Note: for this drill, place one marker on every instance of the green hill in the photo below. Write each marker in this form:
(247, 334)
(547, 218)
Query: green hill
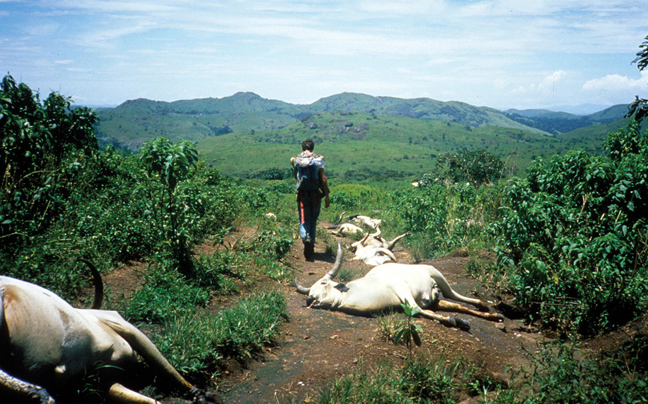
(132, 123)
(362, 136)
(358, 146)
(558, 123)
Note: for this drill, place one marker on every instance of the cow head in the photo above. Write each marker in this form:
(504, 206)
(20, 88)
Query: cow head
(325, 292)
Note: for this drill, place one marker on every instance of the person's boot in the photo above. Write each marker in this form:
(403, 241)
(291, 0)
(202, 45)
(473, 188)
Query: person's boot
(308, 249)
(311, 251)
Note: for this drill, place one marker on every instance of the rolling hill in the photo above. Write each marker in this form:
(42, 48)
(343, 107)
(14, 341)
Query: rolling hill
(561, 122)
(132, 123)
(362, 136)
(359, 146)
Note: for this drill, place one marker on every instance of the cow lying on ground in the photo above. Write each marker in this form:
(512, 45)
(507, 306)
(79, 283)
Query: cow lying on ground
(347, 229)
(386, 286)
(372, 249)
(376, 240)
(359, 220)
(46, 345)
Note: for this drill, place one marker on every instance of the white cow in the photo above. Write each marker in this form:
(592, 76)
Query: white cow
(373, 256)
(372, 249)
(386, 286)
(46, 345)
(366, 221)
(347, 229)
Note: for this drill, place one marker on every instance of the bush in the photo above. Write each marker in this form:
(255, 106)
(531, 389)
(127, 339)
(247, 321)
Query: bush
(418, 381)
(445, 217)
(560, 374)
(573, 236)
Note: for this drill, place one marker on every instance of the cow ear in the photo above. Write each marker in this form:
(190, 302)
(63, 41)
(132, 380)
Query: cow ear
(341, 287)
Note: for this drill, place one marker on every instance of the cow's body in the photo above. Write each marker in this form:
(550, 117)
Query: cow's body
(52, 342)
(46, 345)
(387, 286)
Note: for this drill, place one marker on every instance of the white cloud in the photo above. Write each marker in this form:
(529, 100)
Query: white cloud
(616, 82)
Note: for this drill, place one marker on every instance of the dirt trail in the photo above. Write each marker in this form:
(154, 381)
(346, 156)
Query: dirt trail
(318, 346)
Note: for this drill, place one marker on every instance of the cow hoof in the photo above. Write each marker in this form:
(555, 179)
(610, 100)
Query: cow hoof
(206, 397)
(39, 394)
(461, 324)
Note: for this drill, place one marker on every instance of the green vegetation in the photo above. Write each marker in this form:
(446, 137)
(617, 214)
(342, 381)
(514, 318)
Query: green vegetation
(418, 382)
(408, 135)
(408, 332)
(570, 234)
(574, 236)
(406, 147)
(68, 199)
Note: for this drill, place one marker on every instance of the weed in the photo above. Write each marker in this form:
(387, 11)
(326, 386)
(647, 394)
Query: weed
(407, 331)
(417, 382)
(194, 343)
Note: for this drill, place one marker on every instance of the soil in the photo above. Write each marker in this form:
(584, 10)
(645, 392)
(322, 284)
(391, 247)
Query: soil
(317, 347)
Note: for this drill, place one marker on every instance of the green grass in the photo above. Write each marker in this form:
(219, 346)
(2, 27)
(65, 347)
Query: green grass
(195, 343)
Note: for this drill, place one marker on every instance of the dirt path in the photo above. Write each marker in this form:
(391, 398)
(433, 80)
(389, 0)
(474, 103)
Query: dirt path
(319, 346)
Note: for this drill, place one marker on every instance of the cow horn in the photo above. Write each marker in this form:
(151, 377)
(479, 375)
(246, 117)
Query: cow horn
(338, 262)
(98, 284)
(301, 289)
(387, 252)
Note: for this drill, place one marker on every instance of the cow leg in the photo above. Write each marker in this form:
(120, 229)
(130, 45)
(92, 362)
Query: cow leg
(143, 346)
(456, 307)
(12, 385)
(122, 395)
(447, 321)
(450, 293)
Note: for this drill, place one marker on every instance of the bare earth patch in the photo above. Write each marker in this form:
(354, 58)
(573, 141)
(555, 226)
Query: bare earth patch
(319, 346)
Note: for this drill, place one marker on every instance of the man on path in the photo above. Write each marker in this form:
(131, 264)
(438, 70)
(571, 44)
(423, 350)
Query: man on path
(312, 186)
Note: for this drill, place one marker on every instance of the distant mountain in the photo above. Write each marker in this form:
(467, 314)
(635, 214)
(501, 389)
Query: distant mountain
(557, 123)
(136, 121)
(582, 109)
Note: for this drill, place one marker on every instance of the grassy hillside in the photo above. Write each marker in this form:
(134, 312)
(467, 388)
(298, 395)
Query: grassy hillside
(361, 135)
(360, 145)
(134, 122)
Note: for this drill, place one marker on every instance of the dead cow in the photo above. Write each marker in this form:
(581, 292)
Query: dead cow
(347, 229)
(372, 249)
(47, 345)
(387, 286)
(366, 221)
(376, 240)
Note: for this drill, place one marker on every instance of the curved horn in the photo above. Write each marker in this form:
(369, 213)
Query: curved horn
(387, 252)
(301, 289)
(338, 262)
(98, 284)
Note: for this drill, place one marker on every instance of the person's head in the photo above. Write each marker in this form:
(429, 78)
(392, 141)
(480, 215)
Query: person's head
(308, 144)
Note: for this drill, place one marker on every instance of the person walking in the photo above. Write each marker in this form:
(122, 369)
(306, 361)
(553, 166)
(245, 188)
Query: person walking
(312, 186)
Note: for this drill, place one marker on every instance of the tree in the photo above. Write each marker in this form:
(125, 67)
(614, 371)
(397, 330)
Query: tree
(169, 164)
(477, 167)
(42, 147)
(639, 108)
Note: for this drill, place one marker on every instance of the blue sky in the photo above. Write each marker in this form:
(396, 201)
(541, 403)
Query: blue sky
(497, 53)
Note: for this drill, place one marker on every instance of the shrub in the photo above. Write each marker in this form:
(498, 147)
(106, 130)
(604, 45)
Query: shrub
(573, 236)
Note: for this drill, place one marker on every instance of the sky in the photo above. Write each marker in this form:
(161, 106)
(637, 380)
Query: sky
(496, 53)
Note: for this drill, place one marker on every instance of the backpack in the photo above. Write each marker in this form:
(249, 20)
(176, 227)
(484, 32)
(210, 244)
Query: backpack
(307, 175)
